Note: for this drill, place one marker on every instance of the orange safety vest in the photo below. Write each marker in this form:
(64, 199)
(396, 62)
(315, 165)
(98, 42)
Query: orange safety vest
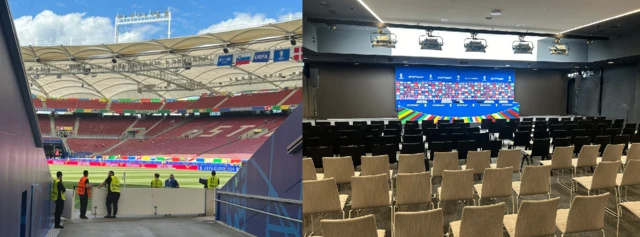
(81, 187)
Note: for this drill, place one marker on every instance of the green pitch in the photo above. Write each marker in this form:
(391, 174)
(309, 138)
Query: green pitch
(136, 177)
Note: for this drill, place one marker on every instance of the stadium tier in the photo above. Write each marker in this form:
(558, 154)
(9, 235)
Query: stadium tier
(45, 124)
(207, 102)
(234, 136)
(181, 104)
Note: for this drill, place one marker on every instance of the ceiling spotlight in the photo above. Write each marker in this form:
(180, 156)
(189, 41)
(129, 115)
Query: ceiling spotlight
(430, 42)
(225, 50)
(331, 26)
(611, 62)
(292, 40)
(496, 12)
(114, 60)
(474, 44)
(381, 39)
(557, 48)
(589, 41)
(521, 46)
(58, 76)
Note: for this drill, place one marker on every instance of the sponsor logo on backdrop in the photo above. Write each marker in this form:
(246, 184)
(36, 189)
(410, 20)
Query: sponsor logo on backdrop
(281, 55)
(225, 60)
(261, 57)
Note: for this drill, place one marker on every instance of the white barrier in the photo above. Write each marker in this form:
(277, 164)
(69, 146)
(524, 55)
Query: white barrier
(69, 196)
(141, 201)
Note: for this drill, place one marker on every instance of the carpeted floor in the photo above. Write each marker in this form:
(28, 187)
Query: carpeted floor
(629, 225)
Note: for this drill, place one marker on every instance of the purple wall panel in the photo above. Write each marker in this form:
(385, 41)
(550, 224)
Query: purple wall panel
(271, 172)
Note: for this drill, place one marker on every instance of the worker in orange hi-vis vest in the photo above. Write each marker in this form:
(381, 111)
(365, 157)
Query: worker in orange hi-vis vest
(84, 190)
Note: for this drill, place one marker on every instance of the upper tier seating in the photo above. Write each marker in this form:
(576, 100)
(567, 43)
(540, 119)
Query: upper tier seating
(37, 103)
(61, 103)
(90, 145)
(295, 99)
(45, 124)
(207, 102)
(175, 105)
(65, 121)
(107, 125)
(124, 105)
(149, 105)
(91, 104)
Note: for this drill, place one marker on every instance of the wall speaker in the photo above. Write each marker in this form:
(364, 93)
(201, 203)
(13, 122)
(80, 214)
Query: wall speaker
(314, 80)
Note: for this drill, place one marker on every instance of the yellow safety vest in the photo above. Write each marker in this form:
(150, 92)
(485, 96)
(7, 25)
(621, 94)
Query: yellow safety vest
(115, 184)
(213, 182)
(156, 183)
(54, 192)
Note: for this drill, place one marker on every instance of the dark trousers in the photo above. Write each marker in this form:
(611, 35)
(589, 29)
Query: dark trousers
(84, 199)
(112, 198)
(58, 213)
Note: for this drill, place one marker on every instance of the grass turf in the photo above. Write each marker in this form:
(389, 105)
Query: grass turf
(136, 177)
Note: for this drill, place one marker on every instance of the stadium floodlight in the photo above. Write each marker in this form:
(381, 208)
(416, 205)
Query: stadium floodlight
(521, 46)
(430, 42)
(474, 44)
(143, 18)
(381, 39)
(557, 48)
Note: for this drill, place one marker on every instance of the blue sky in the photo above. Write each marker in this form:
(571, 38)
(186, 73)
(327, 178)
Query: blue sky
(55, 22)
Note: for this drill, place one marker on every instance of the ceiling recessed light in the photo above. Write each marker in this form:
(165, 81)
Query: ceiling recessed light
(356, 64)
(507, 65)
(610, 62)
(535, 69)
(444, 20)
(406, 65)
(496, 12)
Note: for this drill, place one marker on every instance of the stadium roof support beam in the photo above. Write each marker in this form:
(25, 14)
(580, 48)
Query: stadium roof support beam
(79, 78)
(37, 84)
(450, 29)
(141, 74)
(259, 77)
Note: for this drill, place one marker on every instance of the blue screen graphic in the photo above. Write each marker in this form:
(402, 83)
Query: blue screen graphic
(454, 92)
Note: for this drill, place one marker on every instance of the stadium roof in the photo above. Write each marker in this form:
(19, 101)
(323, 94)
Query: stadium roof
(56, 71)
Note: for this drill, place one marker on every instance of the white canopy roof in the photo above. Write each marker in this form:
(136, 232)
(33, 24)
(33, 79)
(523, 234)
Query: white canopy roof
(118, 84)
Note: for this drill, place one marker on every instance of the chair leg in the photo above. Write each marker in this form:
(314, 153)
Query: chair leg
(513, 206)
(350, 214)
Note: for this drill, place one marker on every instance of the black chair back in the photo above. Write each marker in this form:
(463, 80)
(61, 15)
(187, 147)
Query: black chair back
(379, 123)
(522, 138)
(612, 132)
(577, 133)
(369, 141)
(540, 147)
(412, 148)
(485, 123)
(464, 146)
(481, 139)
(342, 125)
(579, 142)
(471, 130)
(631, 125)
(395, 124)
(636, 138)
(560, 142)
(439, 147)
(524, 128)
(413, 131)
(540, 134)
(603, 141)
(506, 132)
(356, 152)
(360, 123)
(316, 154)
(412, 139)
(385, 149)
(621, 139)
(454, 138)
(495, 147)
(560, 134)
(411, 126)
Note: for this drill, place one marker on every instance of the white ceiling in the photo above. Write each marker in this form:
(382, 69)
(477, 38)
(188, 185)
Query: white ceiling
(546, 16)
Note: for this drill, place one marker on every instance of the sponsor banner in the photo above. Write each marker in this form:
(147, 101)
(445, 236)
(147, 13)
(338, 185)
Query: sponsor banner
(43, 109)
(225, 60)
(261, 57)
(224, 109)
(239, 109)
(258, 108)
(281, 55)
(243, 59)
(218, 167)
(297, 54)
(226, 167)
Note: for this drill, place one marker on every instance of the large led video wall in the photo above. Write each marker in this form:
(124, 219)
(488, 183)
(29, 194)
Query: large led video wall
(471, 94)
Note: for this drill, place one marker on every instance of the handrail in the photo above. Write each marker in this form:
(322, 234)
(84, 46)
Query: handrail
(256, 210)
(291, 201)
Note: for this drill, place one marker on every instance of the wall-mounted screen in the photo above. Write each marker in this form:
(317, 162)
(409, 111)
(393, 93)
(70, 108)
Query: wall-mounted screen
(471, 94)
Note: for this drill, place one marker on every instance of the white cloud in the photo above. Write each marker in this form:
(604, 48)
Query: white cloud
(48, 28)
(243, 20)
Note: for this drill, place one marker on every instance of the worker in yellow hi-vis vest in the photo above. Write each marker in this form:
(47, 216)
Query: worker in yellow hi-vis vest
(156, 182)
(113, 193)
(213, 181)
(57, 195)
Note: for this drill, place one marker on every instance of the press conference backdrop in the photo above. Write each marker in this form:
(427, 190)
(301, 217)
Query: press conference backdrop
(471, 94)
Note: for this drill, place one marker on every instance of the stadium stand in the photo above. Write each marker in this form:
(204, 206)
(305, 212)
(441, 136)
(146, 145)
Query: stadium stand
(37, 103)
(91, 104)
(149, 106)
(124, 105)
(294, 99)
(90, 145)
(180, 104)
(45, 124)
(65, 121)
(107, 125)
(62, 103)
(207, 102)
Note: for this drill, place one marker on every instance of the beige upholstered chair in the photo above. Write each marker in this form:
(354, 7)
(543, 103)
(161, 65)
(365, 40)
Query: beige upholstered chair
(321, 196)
(588, 157)
(535, 180)
(413, 189)
(356, 227)
(496, 184)
(371, 191)
(586, 214)
(339, 168)
(373, 165)
(485, 221)
(613, 152)
(478, 161)
(509, 158)
(411, 163)
(604, 177)
(422, 223)
(632, 154)
(444, 161)
(535, 218)
(309, 170)
(630, 177)
(633, 207)
(456, 185)
(561, 160)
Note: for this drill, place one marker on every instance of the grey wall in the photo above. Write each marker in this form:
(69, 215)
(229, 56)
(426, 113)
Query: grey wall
(349, 91)
(588, 96)
(347, 40)
(310, 36)
(22, 164)
(615, 47)
(541, 92)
